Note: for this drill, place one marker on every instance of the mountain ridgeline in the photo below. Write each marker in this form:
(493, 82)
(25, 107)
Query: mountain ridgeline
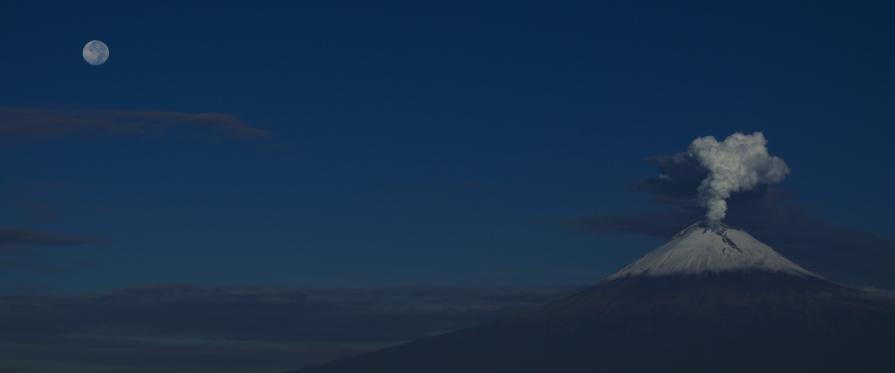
(713, 299)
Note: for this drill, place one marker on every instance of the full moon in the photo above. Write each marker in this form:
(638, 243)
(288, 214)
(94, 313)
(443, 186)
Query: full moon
(95, 52)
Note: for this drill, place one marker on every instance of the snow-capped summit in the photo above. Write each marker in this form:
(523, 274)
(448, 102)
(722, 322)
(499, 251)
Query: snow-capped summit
(701, 249)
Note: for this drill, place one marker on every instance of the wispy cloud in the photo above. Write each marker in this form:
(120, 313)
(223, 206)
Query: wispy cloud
(14, 239)
(39, 123)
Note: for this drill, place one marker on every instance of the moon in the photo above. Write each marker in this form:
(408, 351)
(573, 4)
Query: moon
(95, 52)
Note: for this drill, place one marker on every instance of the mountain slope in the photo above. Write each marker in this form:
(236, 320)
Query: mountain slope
(700, 249)
(712, 299)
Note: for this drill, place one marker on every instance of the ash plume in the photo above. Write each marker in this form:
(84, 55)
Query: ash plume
(739, 163)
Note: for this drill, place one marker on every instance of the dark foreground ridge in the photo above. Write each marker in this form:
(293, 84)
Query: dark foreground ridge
(734, 322)
(709, 300)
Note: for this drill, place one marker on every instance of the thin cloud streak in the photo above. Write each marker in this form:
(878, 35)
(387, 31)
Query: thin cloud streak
(31, 123)
(12, 239)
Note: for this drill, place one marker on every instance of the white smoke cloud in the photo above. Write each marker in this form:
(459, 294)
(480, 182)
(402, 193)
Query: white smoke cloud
(739, 163)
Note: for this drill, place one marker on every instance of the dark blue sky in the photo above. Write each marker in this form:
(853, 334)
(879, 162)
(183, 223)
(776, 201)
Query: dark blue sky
(417, 143)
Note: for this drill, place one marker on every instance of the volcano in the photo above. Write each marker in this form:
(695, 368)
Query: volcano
(712, 299)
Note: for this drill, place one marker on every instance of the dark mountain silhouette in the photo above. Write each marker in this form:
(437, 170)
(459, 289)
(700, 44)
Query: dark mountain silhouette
(713, 299)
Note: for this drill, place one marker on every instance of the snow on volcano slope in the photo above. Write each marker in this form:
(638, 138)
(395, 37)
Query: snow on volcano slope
(700, 249)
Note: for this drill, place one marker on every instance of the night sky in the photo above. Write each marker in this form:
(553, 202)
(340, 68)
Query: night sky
(361, 144)
(258, 188)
